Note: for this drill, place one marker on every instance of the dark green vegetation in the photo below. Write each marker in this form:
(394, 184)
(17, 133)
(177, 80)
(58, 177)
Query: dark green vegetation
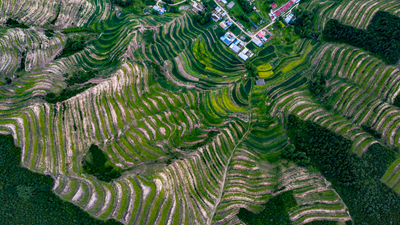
(148, 36)
(86, 30)
(99, 165)
(81, 76)
(11, 23)
(396, 101)
(370, 130)
(381, 37)
(303, 25)
(133, 6)
(26, 197)
(317, 87)
(275, 212)
(66, 93)
(246, 5)
(73, 46)
(357, 180)
(21, 67)
(71, 90)
(324, 222)
(290, 153)
(49, 33)
(205, 16)
(124, 3)
(380, 157)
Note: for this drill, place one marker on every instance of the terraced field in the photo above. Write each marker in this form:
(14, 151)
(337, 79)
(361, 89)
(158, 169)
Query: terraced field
(181, 115)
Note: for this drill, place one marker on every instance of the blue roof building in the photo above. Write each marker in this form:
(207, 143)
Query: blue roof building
(228, 38)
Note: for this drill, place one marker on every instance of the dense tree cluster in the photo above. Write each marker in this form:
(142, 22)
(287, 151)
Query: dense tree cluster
(94, 163)
(275, 212)
(124, 3)
(26, 197)
(356, 179)
(66, 93)
(49, 33)
(318, 85)
(205, 16)
(11, 23)
(174, 9)
(72, 46)
(380, 157)
(370, 130)
(81, 77)
(21, 67)
(303, 24)
(396, 101)
(148, 36)
(71, 90)
(251, 68)
(246, 5)
(381, 37)
(298, 157)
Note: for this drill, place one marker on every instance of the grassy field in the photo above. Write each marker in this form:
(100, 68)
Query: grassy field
(255, 18)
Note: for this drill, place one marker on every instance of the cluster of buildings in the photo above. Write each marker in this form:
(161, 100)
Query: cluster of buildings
(262, 37)
(217, 14)
(226, 23)
(230, 4)
(198, 7)
(275, 13)
(160, 10)
(236, 45)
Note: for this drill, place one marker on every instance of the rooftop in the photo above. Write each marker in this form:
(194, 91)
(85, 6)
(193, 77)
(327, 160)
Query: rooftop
(235, 48)
(231, 4)
(257, 41)
(260, 82)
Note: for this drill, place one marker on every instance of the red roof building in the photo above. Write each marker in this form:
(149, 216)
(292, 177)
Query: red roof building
(277, 13)
(287, 6)
(261, 34)
(274, 6)
(290, 3)
(281, 10)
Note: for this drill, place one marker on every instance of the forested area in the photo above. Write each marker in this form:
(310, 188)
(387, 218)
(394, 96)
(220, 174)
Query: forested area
(380, 158)
(381, 37)
(97, 164)
(357, 180)
(274, 213)
(26, 197)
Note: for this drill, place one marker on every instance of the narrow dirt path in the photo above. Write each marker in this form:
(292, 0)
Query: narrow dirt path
(221, 191)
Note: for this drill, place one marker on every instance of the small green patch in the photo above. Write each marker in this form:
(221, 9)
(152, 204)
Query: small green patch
(99, 165)
(11, 23)
(275, 212)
